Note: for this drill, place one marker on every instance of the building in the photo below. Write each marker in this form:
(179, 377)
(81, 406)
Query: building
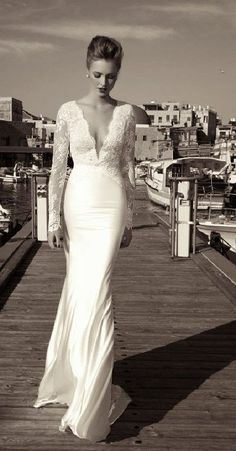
(44, 128)
(167, 114)
(15, 133)
(152, 143)
(18, 128)
(225, 132)
(206, 118)
(225, 144)
(163, 114)
(11, 109)
(190, 141)
(187, 116)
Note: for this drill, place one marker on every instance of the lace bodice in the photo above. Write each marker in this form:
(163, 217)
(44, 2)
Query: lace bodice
(116, 156)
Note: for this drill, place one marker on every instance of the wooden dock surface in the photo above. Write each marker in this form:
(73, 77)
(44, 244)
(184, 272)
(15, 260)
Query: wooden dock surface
(175, 351)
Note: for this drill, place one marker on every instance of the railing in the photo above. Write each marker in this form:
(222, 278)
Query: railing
(25, 149)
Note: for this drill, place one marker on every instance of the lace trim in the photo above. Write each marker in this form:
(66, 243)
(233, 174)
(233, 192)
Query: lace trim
(116, 156)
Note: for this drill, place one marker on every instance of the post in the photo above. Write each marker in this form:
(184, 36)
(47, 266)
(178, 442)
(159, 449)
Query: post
(177, 218)
(42, 206)
(184, 216)
(183, 219)
(33, 206)
(195, 215)
(173, 220)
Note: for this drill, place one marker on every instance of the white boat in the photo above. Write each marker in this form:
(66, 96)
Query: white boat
(232, 177)
(10, 178)
(18, 175)
(223, 225)
(210, 188)
(141, 172)
(7, 223)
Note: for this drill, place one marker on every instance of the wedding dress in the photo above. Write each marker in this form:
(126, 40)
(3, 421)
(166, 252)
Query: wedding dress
(97, 205)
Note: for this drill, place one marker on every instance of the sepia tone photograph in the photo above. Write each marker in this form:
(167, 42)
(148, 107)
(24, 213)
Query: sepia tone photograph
(117, 225)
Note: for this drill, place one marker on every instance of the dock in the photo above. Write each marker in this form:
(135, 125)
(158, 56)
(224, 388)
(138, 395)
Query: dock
(175, 348)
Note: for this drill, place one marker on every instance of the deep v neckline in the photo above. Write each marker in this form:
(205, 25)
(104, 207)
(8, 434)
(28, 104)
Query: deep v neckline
(109, 126)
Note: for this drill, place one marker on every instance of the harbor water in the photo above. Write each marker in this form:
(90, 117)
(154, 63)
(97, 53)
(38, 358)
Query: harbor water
(16, 197)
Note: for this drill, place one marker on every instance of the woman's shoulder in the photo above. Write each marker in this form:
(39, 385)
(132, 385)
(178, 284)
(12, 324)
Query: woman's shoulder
(126, 107)
(68, 106)
(141, 117)
(66, 109)
(63, 109)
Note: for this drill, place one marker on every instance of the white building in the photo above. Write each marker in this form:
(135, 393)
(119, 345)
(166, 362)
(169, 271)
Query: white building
(163, 114)
(151, 142)
(44, 128)
(168, 114)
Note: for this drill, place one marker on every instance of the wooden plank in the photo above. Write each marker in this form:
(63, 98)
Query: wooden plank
(175, 353)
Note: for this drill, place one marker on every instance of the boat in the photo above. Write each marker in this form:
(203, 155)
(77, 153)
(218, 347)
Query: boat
(7, 223)
(31, 171)
(141, 169)
(225, 225)
(211, 188)
(232, 177)
(17, 175)
(230, 193)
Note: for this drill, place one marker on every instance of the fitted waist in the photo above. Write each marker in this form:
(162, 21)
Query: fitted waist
(83, 169)
(86, 167)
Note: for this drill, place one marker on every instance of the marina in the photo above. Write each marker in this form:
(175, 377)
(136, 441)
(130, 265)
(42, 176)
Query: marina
(117, 226)
(175, 342)
(15, 208)
(211, 189)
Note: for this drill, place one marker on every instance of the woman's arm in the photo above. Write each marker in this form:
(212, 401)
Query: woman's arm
(58, 170)
(128, 166)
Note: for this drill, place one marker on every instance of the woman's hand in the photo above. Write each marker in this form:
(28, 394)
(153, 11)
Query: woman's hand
(54, 236)
(127, 237)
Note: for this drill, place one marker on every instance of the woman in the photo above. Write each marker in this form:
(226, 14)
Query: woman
(96, 221)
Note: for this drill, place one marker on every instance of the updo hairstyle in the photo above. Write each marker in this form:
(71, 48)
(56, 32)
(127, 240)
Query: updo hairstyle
(103, 47)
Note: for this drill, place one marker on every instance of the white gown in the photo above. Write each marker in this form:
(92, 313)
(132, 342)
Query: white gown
(97, 205)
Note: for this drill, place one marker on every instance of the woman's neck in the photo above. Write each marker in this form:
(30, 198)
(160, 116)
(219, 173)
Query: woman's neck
(94, 99)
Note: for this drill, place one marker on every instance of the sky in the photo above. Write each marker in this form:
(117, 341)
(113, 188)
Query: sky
(177, 50)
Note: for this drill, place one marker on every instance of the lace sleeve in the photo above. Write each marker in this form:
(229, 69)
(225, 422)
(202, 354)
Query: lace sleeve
(128, 167)
(58, 170)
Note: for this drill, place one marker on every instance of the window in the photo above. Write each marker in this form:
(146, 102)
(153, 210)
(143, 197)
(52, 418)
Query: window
(168, 118)
(151, 117)
(159, 170)
(160, 119)
(5, 106)
(144, 137)
(175, 117)
(150, 107)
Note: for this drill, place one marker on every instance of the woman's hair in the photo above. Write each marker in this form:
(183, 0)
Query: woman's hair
(103, 47)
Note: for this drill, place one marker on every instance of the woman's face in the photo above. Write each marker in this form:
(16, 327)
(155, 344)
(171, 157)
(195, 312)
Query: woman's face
(103, 75)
